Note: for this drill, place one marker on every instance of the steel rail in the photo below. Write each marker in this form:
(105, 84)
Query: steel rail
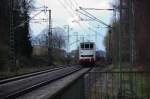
(29, 74)
(13, 92)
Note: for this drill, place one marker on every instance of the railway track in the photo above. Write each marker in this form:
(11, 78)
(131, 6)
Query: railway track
(8, 79)
(16, 86)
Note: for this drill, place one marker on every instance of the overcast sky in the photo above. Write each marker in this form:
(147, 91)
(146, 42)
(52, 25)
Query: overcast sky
(63, 13)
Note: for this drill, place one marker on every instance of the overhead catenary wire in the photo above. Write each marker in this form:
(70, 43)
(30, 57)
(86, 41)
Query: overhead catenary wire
(72, 10)
(99, 9)
(77, 21)
(73, 42)
(69, 5)
(65, 7)
(95, 32)
(27, 20)
(72, 6)
(84, 12)
(77, 14)
(83, 20)
(87, 25)
(76, 2)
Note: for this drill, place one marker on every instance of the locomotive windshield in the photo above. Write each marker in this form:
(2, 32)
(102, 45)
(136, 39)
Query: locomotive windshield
(91, 46)
(82, 46)
(87, 46)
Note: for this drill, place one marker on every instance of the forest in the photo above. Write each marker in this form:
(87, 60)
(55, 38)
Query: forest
(15, 16)
(141, 35)
(20, 11)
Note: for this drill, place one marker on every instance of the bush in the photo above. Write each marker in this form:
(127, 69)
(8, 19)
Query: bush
(3, 56)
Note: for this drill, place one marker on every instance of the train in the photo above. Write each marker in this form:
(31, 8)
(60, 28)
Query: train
(87, 53)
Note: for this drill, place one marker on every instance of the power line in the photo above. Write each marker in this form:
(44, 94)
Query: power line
(73, 3)
(77, 20)
(73, 42)
(98, 9)
(80, 35)
(95, 18)
(95, 31)
(76, 2)
(72, 6)
(21, 24)
(73, 11)
(84, 12)
(69, 12)
(67, 3)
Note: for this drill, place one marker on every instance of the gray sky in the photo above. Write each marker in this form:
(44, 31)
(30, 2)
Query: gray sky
(63, 13)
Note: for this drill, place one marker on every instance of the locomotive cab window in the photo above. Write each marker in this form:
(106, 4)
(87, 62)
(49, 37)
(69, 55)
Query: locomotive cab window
(82, 46)
(86, 46)
(91, 46)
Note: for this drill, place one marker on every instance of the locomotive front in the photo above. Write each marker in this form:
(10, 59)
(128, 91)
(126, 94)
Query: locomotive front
(87, 51)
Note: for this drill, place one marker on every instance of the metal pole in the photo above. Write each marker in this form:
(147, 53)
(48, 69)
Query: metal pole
(119, 51)
(12, 37)
(76, 39)
(50, 40)
(96, 37)
(115, 47)
(119, 37)
(131, 35)
(83, 38)
(68, 36)
(109, 45)
(131, 30)
(68, 30)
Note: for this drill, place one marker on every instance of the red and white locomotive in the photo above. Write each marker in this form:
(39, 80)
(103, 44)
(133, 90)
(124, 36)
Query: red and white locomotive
(87, 51)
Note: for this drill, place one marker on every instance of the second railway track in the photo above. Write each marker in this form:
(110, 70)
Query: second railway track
(17, 86)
